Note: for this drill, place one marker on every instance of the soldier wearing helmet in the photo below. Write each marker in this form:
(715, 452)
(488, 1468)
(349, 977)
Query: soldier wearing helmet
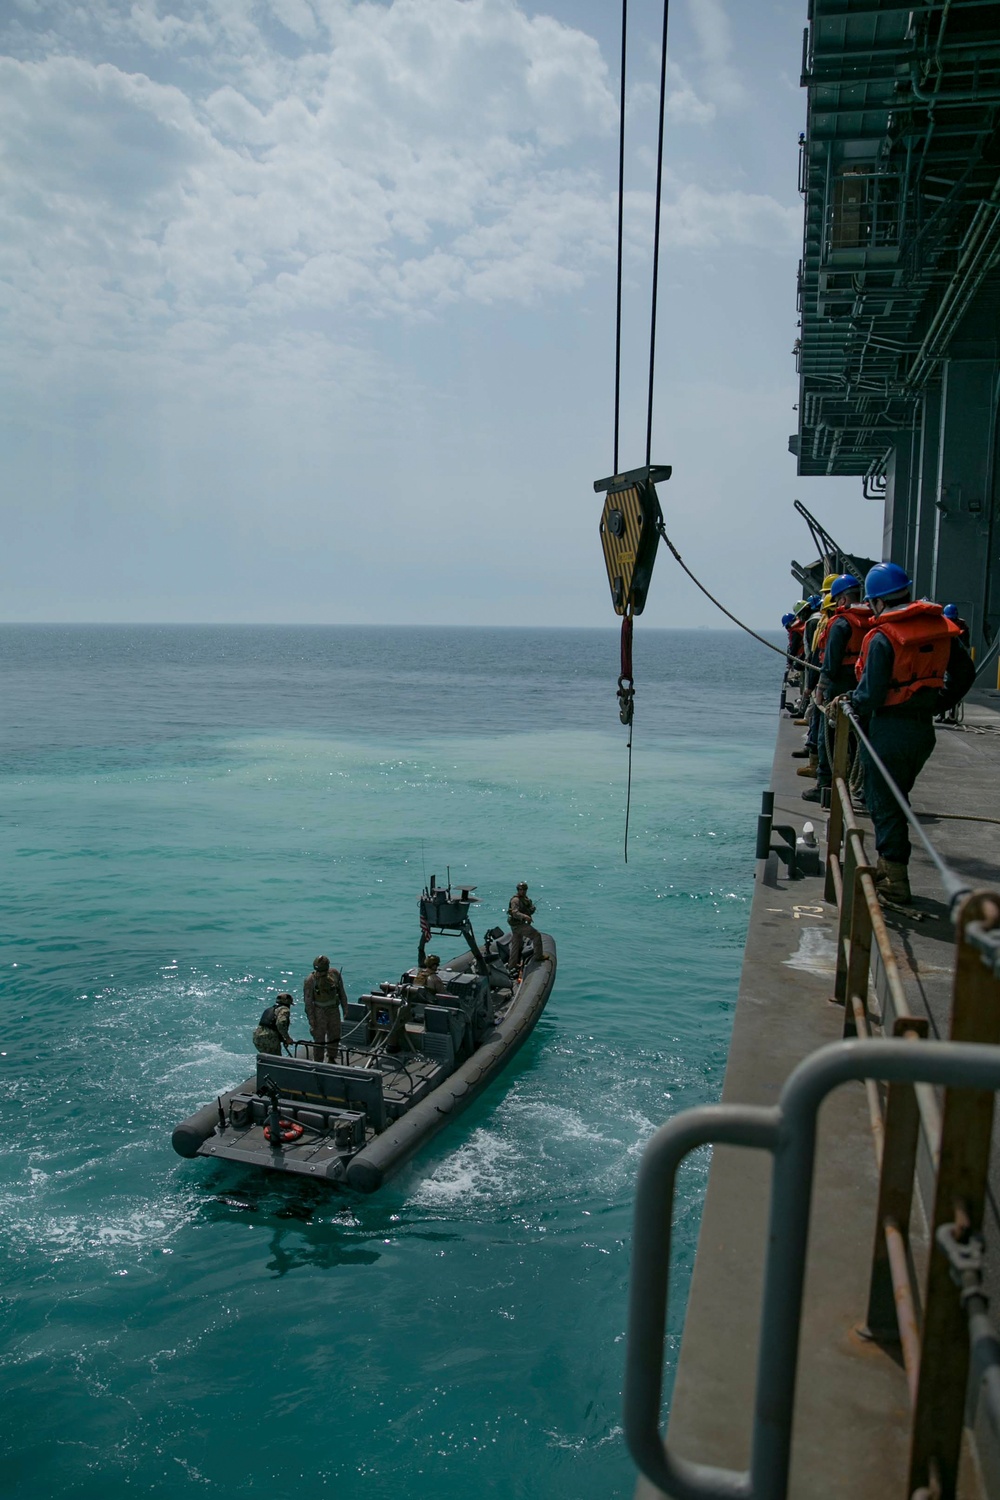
(325, 999)
(271, 1032)
(520, 911)
(427, 976)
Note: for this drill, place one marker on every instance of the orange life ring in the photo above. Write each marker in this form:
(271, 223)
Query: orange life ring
(290, 1130)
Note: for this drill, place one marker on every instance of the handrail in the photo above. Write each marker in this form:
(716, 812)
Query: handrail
(788, 1131)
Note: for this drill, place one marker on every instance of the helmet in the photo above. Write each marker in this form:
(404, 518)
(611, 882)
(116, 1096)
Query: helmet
(815, 600)
(843, 585)
(950, 612)
(827, 582)
(431, 961)
(802, 607)
(787, 620)
(522, 885)
(886, 578)
(285, 1000)
(321, 964)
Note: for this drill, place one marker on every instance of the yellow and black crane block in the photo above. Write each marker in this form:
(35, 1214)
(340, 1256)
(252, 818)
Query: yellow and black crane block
(630, 528)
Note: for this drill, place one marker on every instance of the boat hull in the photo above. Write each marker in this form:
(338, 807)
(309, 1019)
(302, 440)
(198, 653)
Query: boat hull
(383, 1156)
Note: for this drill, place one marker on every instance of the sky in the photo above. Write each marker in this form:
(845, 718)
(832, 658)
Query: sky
(307, 309)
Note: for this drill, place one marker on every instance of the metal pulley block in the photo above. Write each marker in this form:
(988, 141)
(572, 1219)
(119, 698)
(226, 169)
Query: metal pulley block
(629, 529)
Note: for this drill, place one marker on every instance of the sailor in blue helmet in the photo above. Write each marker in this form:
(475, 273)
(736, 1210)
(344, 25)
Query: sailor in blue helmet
(912, 665)
(951, 613)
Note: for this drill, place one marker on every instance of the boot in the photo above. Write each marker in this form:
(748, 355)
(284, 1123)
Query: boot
(892, 880)
(801, 754)
(814, 794)
(810, 768)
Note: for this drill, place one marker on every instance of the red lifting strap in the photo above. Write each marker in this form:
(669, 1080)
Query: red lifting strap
(626, 691)
(627, 647)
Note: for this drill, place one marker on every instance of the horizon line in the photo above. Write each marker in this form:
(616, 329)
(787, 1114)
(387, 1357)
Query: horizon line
(332, 625)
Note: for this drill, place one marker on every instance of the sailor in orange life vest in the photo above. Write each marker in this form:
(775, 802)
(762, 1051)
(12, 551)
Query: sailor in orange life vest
(911, 666)
(847, 627)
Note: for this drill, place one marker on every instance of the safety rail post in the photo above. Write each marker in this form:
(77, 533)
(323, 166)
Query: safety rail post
(966, 1131)
(891, 1316)
(854, 969)
(839, 794)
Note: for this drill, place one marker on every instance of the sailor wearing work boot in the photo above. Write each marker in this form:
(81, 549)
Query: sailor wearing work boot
(520, 911)
(272, 1028)
(912, 665)
(849, 623)
(325, 998)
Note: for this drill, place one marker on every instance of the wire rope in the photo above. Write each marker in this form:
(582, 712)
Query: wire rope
(621, 241)
(656, 230)
(798, 661)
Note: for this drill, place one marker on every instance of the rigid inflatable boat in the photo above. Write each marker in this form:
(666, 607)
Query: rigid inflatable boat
(410, 1059)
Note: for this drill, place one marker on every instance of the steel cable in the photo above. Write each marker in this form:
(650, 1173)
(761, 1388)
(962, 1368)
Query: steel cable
(656, 231)
(621, 228)
(797, 661)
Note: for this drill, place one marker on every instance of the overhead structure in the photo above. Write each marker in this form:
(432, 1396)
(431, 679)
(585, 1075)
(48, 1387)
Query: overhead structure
(899, 283)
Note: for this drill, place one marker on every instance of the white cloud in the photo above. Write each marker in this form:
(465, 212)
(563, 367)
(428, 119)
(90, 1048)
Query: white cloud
(416, 155)
(721, 81)
(704, 220)
(380, 160)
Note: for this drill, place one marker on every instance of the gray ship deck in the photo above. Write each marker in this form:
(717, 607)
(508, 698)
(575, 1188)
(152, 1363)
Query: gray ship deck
(852, 1411)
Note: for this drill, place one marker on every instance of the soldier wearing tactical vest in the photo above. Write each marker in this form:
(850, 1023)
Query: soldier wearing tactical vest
(428, 977)
(272, 1028)
(912, 665)
(520, 911)
(325, 999)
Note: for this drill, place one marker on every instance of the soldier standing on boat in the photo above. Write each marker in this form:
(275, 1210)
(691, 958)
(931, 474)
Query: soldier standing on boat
(272, 1028)
(325, 998)
(519, 914)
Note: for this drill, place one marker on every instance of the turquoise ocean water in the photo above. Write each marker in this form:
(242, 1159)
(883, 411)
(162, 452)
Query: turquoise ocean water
(190, 815)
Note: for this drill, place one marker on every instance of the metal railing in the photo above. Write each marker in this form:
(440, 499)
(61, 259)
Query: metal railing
(939, 1325)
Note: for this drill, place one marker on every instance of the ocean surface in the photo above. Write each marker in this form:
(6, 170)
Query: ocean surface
(189, 815)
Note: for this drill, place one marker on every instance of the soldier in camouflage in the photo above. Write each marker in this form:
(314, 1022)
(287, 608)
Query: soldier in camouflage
(272, 1028)
(519, 914)
(325, 999)
(428, 976)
